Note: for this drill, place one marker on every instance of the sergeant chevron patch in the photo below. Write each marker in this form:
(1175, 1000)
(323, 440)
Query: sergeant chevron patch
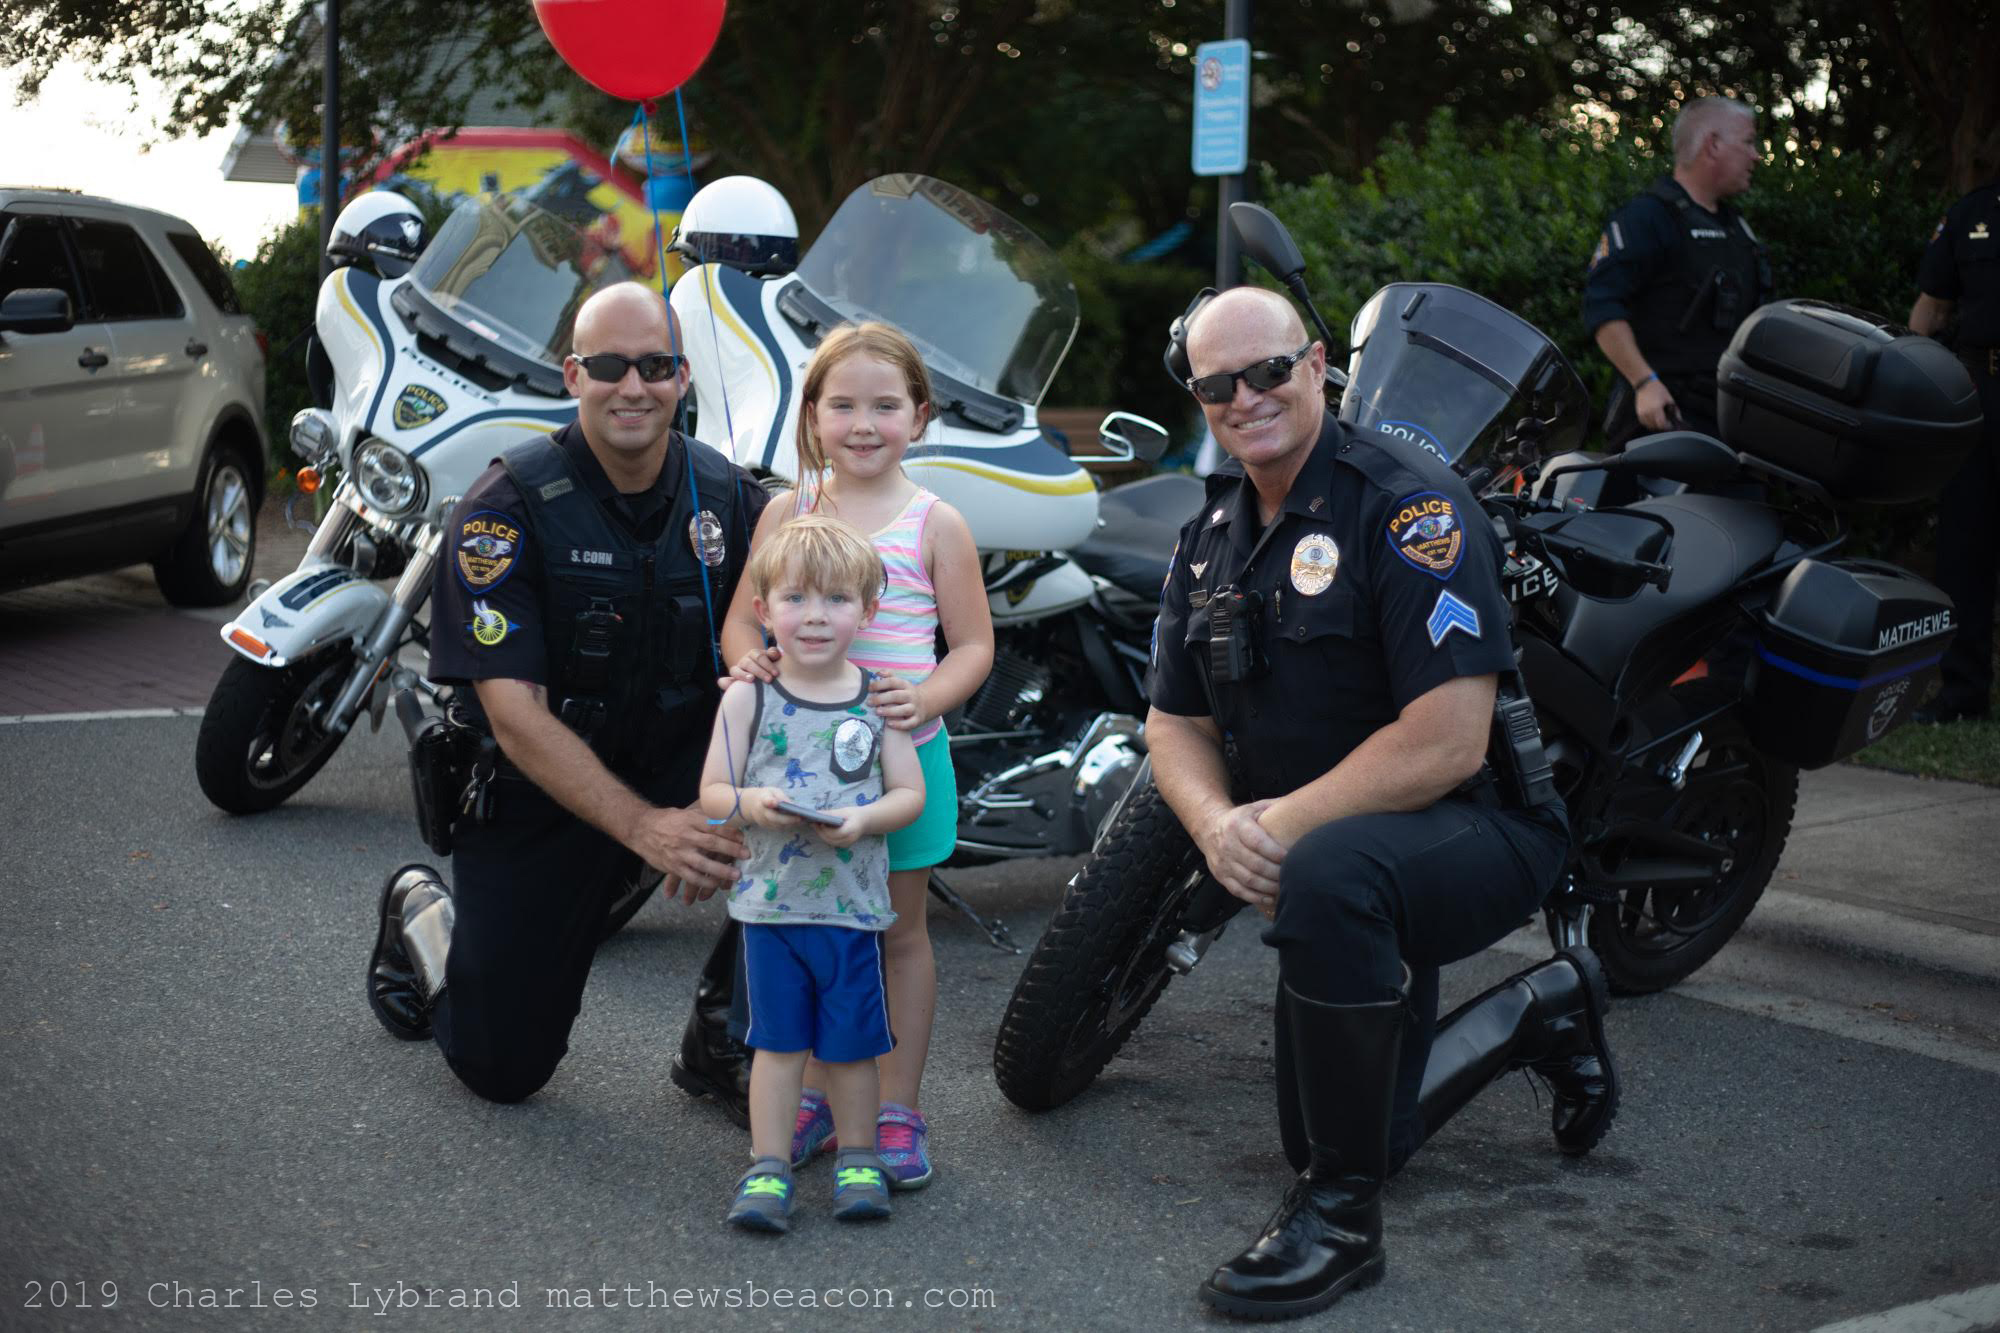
(1450, 614)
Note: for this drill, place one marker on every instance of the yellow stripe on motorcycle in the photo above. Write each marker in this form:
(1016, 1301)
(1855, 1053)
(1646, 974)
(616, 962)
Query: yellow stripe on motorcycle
(347, 300)
(709, 290)
(1076, 483)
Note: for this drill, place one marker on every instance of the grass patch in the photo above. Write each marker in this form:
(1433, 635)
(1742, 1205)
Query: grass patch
(1959, 751)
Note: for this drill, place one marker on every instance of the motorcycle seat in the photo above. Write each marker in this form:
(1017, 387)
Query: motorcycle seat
(1137, 526)
(1717, 540)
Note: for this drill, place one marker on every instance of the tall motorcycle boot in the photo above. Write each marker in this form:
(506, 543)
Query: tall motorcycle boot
(1549, 1019)
(711, 1063)
(412, 937)
(1326, 1237)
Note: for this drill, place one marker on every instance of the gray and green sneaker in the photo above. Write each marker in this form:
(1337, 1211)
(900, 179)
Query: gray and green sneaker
(764, 1197)
(860, 1186)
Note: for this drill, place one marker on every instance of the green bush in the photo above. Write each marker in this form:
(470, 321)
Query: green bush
(1114, 362)
(279, 289)
(1516, 221)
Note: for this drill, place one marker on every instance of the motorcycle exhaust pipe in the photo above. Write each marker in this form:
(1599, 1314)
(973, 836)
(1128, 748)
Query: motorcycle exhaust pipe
(411, 590)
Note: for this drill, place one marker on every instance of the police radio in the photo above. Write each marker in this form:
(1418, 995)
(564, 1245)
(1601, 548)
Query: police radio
(1521, 764)
(1234, 618)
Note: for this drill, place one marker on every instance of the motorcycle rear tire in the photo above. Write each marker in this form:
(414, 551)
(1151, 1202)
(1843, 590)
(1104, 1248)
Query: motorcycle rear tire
(1639, 955)
(258, 744)
(1101, 964)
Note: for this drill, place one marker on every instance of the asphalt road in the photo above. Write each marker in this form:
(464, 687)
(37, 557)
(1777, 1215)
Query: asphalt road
(195, 1101)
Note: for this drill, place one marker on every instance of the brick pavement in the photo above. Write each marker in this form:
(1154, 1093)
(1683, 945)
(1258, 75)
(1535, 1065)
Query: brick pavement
(111, 642)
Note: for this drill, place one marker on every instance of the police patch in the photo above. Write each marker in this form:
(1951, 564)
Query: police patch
(489, 627)
(705, 538)
(853, 749)
(417, 406)
(1451, 614)
(1424, 530)
(1315, 560)
(488, 545)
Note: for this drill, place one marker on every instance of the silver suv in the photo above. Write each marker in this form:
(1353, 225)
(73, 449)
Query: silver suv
(131, 400)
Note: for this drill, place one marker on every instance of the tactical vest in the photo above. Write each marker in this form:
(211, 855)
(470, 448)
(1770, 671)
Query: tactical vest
(1715, 276)
(626, 628)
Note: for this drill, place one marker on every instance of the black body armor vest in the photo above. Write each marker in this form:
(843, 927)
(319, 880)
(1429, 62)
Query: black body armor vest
(631, 665)
(1716, 277)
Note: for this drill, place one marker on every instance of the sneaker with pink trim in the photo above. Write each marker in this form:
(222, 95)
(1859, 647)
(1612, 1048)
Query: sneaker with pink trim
(812, 1132)
(902, 1141)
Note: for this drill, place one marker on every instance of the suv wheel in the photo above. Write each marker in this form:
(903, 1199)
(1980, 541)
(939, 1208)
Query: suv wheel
(209, 564)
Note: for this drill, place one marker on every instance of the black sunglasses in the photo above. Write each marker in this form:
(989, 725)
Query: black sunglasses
(1264, 376)
(610, 368)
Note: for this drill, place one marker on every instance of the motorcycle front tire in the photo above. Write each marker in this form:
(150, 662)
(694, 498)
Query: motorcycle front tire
(259, 742)
(1101, 964)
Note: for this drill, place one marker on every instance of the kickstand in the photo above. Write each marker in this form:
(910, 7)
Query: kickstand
(996, 934)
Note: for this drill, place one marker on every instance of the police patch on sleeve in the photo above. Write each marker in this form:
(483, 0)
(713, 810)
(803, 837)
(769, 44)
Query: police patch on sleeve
(705, 538)
(1424, 529)
(488, 545)
(1451, 614)
(1315, 560)
(490, 627)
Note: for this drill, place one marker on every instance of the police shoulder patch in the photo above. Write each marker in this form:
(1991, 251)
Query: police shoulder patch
(489, 544)
(1426, 531)
(490, 626)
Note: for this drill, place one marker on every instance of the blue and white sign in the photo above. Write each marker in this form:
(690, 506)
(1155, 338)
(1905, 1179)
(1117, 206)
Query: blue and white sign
(1222, 108)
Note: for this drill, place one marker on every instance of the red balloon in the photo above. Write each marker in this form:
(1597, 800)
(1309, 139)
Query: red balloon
(636, 50)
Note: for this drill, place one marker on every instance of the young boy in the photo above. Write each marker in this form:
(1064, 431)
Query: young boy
(814, 896)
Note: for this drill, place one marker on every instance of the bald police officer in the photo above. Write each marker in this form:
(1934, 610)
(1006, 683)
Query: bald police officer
(1330, 641)
(572, 601)
(1674, 273)
(1961, 274)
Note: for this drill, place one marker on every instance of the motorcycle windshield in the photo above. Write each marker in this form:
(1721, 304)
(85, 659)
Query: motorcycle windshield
(1453, 373)
(511, 274)
(984, 300)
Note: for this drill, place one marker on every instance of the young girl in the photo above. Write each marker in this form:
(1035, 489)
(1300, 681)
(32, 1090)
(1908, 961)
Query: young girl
(865, 400)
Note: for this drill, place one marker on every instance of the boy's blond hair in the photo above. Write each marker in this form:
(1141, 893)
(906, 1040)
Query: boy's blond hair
(820, 553)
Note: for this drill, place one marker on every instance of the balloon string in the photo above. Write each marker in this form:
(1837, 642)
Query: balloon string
(696, 538)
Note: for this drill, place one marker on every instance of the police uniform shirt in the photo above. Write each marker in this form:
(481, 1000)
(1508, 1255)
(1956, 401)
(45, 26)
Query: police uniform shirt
(1962, 264)
(1638, 271)
(490, 589)
(1378, 581)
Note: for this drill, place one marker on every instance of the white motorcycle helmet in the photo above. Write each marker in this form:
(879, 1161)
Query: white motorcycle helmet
(742, 222)
(383, 228)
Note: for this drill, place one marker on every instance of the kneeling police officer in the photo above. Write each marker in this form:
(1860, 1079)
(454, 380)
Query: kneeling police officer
(1331, 642)
(574, 602)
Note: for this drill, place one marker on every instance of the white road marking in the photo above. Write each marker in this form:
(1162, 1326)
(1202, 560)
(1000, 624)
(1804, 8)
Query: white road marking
(1960, 1312)
(112, 714)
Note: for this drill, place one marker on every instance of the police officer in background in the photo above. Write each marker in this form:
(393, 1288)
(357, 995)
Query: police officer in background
(1674, 273)
(1961, 273)
(572, 600)
(1331, 638)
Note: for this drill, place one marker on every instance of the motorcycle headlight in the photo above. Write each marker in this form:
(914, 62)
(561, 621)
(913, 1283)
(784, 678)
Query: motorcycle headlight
(312, 434)
(389, 479)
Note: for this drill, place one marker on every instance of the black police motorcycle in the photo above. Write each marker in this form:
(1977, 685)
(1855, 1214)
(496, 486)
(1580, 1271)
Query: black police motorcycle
(1685, 633)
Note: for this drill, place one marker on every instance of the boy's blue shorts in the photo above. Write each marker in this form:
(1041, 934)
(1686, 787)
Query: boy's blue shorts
(817, 988)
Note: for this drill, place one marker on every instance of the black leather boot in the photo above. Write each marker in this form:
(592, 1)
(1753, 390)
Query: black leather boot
(712, 1063)
(412, 935)
(1549, 1019)
(1326, 1237)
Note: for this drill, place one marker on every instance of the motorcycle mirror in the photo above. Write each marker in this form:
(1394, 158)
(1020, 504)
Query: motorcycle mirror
(1137, 436)
(1685, 456)
(1266, 241)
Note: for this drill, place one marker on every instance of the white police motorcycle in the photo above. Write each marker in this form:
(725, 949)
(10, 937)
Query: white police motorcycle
(430, 370)
(1049, 743)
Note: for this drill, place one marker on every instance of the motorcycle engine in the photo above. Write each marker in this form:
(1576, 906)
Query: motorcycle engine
(1009, 695)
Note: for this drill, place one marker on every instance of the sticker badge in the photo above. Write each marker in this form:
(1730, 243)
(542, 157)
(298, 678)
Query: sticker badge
(417, 406)
(705, 538)
(1424, 530)
(1886, 704)
(853, 749)
(1450, 614)
(1315, 560)
(489, 627)
(488, 545)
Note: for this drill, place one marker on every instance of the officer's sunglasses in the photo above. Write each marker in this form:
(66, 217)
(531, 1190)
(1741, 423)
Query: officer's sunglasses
(1263, 376)
(610, 368)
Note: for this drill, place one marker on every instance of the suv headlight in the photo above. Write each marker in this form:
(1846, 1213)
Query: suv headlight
(389, 479)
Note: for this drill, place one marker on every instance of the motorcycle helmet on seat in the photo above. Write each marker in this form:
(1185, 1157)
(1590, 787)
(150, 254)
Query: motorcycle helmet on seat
(741, 222)
(381, 227)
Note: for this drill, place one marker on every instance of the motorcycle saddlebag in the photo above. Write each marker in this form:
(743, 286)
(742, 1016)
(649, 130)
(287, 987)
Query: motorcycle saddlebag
(1869, 410)
(1844, 652)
